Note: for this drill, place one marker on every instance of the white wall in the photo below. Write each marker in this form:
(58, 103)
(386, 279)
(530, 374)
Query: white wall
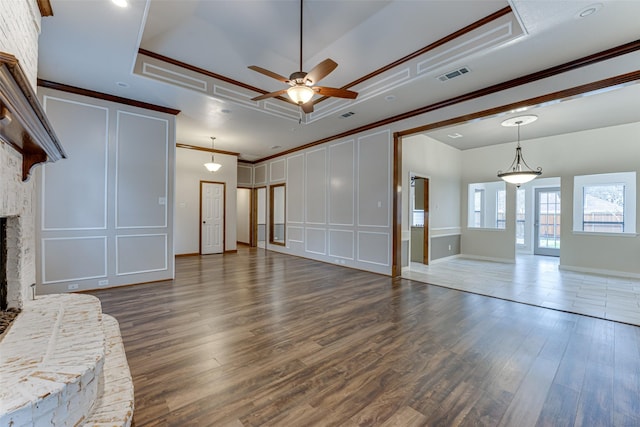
(612, 149)
(190, 171)
(243, 223)
(105, 213)
(338, 198)
(425, 157)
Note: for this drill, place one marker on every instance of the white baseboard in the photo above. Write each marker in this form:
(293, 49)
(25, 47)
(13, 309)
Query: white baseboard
(487, 258)
(600, 272)
(446, 258)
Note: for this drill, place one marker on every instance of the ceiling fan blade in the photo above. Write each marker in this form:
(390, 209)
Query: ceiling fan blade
(321, 70)
(269, 73)
(269, 95)
(338, 93)
(308, 107)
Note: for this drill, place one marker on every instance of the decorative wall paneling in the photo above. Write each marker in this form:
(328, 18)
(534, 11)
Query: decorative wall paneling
(142, 145)
(104, 217)
(316, 186)
(278, 171)
(245, 175)
(86, 139)
(338, 201)
(89, 258)
(141, 253)
(295, 189)
(260, 175)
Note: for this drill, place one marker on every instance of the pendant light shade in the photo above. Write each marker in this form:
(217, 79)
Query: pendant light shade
(519, 172)
(212, 166)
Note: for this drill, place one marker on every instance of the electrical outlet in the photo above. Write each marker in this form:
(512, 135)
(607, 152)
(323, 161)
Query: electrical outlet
(72, 286)
(449, 247)
(103, 282)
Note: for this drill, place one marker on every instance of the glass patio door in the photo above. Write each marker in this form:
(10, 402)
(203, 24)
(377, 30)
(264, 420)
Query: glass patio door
(547, 222)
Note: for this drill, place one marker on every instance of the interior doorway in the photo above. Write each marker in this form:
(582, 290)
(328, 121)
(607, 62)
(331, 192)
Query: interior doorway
(546, 228)
(243, 216)
(420, 220)
(212, 195)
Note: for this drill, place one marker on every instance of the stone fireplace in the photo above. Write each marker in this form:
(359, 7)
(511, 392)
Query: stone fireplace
(62, 361)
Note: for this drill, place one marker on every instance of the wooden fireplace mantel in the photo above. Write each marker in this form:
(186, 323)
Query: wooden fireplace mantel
(23, 122)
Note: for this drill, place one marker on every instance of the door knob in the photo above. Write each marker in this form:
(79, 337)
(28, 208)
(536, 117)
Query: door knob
(204, 222)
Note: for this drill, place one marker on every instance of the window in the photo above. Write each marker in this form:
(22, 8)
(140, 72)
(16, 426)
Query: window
(603, 208)
(501, 209)
(478, 208)
(520, 216)
(487, 206)
(605, 203)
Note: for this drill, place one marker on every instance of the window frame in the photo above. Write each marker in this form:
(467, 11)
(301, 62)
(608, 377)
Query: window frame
(627, 180)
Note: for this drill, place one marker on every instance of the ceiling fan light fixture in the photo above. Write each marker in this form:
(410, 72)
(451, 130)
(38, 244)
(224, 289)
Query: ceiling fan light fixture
(300, 94)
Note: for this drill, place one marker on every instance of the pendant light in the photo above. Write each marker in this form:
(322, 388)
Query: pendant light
(212, 166)
(519, 172)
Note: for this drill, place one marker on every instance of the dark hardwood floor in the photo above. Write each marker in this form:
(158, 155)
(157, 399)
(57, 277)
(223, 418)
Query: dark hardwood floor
(259, 338)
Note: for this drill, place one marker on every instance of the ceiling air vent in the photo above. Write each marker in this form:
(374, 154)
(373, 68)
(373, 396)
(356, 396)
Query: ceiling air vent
(345, 115)
(453, 74)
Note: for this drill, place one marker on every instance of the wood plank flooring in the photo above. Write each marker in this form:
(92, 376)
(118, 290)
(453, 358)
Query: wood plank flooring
(264, 339)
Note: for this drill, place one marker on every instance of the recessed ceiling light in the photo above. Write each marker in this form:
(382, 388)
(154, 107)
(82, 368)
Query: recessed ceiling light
(454, 135)
(348, 114)
(225, 111)
(121, 3)
(122, 84)
(589, 10)
(390, 98)
(275, 147)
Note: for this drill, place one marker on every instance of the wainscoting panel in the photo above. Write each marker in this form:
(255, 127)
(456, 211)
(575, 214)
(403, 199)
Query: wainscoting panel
(245, 175)
(116, 181)
(278, 170)
(141, 253)
(295, 189)
(341, 244)
(260, 175)
(373, 247)
(295, 234)
(316, 186)
(83, 175)
(141, 197)
(73, 258)
(445, 246)
(374, 180)
(315, 241)
(342, 183)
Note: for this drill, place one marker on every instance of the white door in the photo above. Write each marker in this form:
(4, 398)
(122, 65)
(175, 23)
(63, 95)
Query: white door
(547, 224)
(212, 217)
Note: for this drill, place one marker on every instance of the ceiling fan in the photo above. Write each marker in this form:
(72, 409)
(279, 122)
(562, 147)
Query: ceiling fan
(303, 85)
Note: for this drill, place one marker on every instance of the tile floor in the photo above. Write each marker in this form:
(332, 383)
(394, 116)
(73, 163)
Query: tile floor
(536, 280)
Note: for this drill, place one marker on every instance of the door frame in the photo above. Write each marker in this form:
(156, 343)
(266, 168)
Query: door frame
(536, 224)
(254, 216)
(224, 215)
(426, 255)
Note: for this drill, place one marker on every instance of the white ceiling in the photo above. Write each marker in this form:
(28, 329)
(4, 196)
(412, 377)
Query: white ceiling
(93, 44)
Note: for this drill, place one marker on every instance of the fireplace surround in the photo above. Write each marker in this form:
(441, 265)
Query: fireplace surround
(62, 361)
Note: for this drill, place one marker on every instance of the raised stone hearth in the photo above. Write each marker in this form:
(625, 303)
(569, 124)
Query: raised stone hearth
(62, 363)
